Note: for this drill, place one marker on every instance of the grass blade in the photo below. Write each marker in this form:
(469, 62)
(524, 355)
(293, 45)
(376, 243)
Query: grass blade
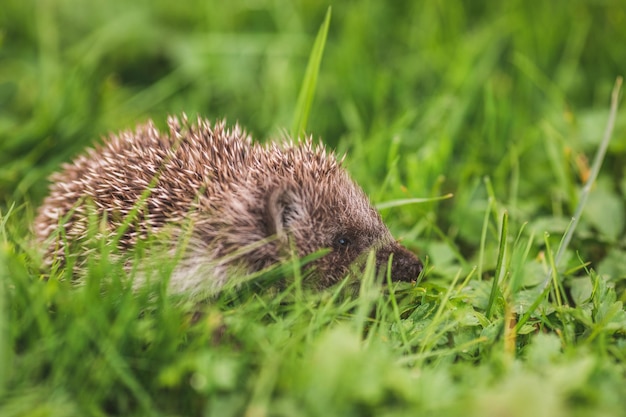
(406, 201)
(501, 251)
(307, 90)
(595, 170)
(483, 239)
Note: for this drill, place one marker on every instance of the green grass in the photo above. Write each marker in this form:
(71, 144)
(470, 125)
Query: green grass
(503, 104)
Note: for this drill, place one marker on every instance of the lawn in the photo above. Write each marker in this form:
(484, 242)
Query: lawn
(503, 105)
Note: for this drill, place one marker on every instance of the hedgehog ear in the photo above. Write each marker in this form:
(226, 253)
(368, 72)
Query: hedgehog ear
(278, 210)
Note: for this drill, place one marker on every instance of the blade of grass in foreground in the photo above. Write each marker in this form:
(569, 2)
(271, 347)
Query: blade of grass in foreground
(595, 170)
(499, 266)
(307, 90)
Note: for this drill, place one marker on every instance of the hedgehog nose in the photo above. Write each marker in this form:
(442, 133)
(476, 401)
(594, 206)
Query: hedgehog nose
(405, 266)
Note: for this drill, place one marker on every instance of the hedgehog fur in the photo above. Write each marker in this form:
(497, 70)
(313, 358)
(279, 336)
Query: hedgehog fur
(246, 206)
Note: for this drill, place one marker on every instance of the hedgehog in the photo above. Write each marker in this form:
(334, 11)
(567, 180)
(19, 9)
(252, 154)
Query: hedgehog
(240, 206)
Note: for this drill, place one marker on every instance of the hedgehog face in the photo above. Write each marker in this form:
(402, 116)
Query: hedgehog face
(346, 223)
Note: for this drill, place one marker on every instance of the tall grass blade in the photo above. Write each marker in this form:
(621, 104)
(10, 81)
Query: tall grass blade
(595, 170)
(307, 90)
(483, 239)
(501, 251)
(407, 201)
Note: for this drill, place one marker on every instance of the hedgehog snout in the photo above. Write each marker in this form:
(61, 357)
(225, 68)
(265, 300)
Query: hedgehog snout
(405, 266)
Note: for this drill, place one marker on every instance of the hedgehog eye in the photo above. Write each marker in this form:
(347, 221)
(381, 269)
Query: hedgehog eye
(343, 242)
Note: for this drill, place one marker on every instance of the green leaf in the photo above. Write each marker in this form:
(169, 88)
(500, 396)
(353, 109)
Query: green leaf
(581, 290)
(605, 211)
(543, 350)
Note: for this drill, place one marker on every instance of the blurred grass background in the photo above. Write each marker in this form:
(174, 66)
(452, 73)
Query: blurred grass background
(426, 97)
(501, 103)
